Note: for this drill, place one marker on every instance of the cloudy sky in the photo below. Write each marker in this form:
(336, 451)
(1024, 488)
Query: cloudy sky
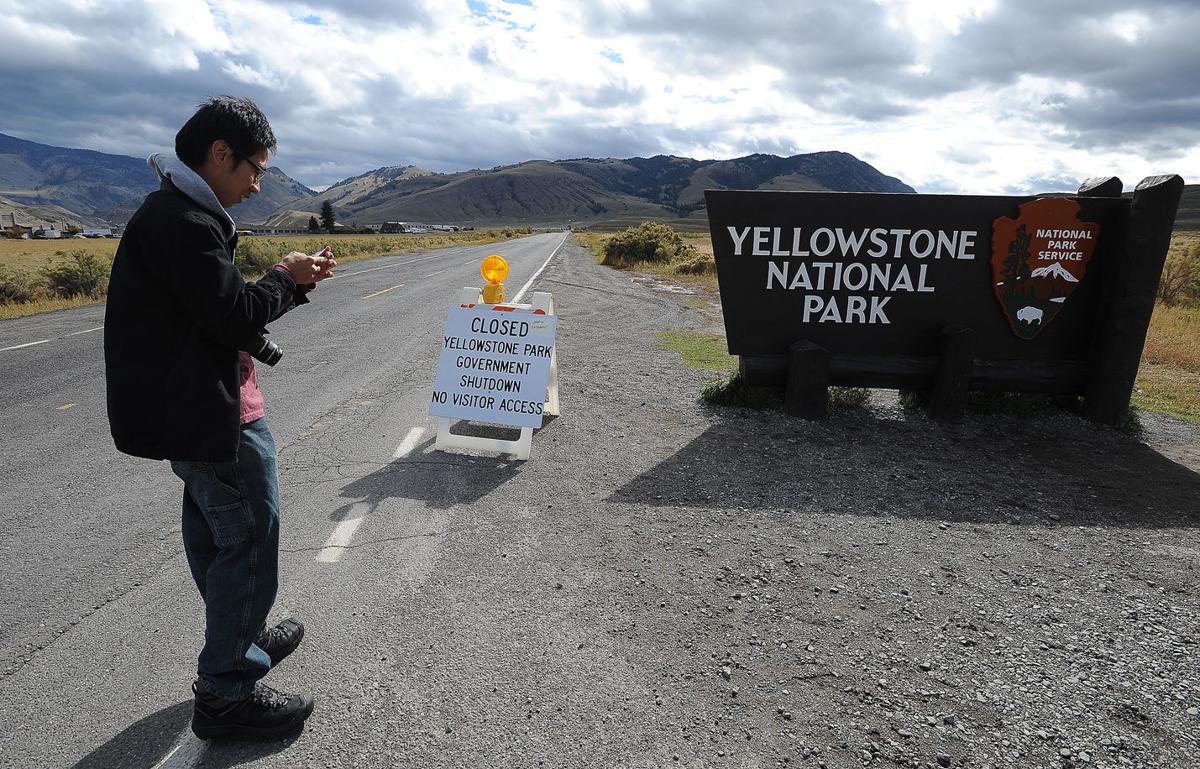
(962, 96)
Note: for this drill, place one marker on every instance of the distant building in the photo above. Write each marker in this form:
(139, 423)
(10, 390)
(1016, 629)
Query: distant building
(275, 231)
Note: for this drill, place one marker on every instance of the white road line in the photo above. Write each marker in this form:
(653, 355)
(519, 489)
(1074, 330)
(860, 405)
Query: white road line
(55, 339)
(517, 299)
(439, 272)
(186, 754)
(77, 333)
(470, 261)
(27, 344)
(409, 443)
(339, 540)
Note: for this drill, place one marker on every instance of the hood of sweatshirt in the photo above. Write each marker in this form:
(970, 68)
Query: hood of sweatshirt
(172, 169)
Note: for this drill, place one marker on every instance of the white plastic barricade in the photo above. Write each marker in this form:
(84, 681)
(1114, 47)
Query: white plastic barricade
(497, 366)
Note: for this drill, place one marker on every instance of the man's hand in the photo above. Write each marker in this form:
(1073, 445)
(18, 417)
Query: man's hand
(310, 268)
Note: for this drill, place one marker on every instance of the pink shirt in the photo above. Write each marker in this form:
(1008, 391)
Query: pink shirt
(252, 397)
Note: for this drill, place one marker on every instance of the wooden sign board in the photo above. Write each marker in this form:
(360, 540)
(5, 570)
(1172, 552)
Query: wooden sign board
(876, 281)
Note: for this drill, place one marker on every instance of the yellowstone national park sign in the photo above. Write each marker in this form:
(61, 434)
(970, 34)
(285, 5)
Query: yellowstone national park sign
(878, 280)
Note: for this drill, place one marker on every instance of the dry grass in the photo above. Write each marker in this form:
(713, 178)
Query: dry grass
(1174, 337)
(1169, 377)
(1169, 390)
(44, 305)
(1181, 240)
(593, 241)
(30, 256)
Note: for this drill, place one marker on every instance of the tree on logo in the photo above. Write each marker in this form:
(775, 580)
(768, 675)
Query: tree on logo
(1016, 265)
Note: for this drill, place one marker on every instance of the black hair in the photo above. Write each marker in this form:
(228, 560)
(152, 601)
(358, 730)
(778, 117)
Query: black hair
(238, 121)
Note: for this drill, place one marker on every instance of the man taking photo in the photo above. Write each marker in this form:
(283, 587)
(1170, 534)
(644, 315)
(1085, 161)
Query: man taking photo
(178, 327)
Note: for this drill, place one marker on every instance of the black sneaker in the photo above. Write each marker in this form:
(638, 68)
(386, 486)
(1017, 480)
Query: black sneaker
(281, 640)
(265, 713)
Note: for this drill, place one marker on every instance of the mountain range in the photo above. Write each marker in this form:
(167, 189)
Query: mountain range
(42, 183)
(91, 188)
(585, 190)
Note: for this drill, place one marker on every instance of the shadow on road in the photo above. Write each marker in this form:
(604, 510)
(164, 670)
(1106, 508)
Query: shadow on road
(1059, 471)
(440, 479)
(148, 742)
(143, 744)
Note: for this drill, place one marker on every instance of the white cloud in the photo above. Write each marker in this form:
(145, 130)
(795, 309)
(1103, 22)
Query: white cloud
(975, 96)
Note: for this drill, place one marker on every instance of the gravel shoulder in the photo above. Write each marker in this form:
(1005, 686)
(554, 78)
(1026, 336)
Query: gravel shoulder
(876, 589)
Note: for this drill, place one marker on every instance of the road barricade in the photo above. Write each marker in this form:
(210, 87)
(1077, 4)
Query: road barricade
(497, 366)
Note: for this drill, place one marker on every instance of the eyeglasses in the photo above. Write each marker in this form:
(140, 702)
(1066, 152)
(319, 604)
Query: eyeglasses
(259, 171)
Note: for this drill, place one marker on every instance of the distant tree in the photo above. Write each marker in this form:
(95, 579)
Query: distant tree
(313, 225)
(327, 219)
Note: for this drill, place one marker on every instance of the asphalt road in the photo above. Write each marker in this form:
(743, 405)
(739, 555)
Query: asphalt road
(660, 585)
(90, 560)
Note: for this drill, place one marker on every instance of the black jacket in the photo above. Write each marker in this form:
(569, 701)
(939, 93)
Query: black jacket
(178, 312)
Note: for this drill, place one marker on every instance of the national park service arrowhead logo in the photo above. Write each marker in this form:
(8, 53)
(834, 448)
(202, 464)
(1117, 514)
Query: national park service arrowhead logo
(1038, 259)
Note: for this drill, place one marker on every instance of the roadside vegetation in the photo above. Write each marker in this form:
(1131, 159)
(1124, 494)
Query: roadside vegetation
(43, 275)
(1168, 380)
(699, 350)
(655, 248)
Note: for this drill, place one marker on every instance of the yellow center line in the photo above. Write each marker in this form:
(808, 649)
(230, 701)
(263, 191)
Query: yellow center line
(377, 293)
(66, 406)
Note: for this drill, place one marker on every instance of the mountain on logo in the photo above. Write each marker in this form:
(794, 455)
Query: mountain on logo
(1055, 270)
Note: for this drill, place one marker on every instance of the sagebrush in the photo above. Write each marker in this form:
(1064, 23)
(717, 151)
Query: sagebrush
(652, 242)
(81, 274)
(17, 286)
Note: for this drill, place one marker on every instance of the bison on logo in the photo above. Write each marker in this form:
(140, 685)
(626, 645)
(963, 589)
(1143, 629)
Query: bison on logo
(1038, 259)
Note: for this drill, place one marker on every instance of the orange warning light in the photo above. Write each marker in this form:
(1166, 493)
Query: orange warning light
(494, 270)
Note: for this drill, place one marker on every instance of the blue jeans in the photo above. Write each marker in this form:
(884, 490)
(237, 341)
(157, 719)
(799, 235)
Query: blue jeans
(231, 537)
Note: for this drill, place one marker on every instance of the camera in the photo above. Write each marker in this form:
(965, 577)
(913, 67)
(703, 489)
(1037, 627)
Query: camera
(263, 349)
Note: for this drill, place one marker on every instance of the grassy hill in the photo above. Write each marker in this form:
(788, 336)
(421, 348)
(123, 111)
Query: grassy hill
(585, 191)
